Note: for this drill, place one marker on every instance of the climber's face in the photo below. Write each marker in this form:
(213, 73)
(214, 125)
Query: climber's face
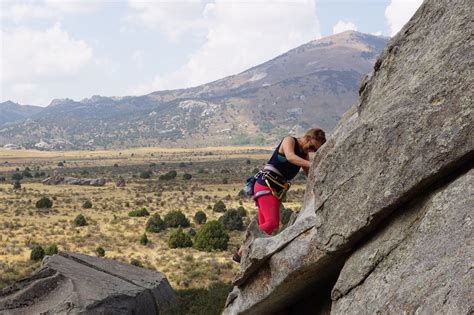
(312, 145)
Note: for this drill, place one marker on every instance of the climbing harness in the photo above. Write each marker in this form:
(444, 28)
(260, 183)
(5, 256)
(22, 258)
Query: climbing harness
(275, 181)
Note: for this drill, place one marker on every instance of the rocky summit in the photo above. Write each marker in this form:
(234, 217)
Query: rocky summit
(386, 223)
(70, 283)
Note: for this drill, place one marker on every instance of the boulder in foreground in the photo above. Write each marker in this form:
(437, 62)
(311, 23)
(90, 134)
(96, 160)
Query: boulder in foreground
(70, 283)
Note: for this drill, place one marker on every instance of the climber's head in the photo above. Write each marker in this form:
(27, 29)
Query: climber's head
(313, 139)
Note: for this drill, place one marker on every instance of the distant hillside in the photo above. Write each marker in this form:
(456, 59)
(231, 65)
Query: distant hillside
(311, 85)
(12, 112)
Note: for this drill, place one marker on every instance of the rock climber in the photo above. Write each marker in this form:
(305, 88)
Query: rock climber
(273, 181)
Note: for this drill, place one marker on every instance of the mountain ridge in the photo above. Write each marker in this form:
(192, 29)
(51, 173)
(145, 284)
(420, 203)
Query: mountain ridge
(310, 85)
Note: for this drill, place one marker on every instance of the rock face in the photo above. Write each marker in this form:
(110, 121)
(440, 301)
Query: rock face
(389, 196)
(421, 257)
(70, 283)
(66, 180)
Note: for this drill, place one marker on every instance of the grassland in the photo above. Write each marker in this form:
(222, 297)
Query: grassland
(217, 174)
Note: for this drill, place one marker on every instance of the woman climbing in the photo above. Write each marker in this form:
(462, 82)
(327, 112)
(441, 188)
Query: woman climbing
(272, 182)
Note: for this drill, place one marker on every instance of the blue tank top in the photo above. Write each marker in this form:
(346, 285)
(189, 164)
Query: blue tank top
(279, 161)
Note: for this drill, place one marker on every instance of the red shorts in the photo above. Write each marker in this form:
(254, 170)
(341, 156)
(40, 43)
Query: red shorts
(268, 210)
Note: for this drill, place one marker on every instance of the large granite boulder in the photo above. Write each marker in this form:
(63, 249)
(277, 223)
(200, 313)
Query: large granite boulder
(70, 283)
(411, 133)
(68, 180)
(419, 264)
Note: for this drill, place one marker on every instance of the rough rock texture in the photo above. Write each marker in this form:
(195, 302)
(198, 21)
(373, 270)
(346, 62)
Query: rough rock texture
(420, 264)
(411, 130)
(66, 180)
(70, 283)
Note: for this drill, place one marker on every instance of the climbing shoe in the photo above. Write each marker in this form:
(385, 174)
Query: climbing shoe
(236, 258)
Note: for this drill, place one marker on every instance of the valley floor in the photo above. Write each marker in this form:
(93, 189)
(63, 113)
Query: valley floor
(217, 174)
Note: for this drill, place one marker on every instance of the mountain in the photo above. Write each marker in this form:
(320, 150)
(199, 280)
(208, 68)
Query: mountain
(311, 85)
(12, 112)
(385, 226)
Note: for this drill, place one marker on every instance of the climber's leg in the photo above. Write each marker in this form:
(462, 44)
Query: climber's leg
(268, 210)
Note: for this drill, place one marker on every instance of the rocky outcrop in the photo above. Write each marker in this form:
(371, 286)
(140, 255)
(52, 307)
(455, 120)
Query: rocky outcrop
(70, 283)
(66, 180)
(11, 146)
(386, 173)
(419, 264)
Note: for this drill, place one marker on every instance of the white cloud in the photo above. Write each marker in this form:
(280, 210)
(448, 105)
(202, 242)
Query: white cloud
(22, 11)
(398, 12)
(25, 10)
(72, 6)
(241, 35)
(342, 26)
(174, 18)
(28, 55)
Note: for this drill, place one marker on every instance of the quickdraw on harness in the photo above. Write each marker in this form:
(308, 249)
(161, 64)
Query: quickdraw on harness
(271, 176)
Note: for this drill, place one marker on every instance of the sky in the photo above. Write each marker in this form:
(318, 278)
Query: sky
(53, 49)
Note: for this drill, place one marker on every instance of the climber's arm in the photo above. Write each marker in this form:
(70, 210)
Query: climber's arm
(306, 169)
(288, 146)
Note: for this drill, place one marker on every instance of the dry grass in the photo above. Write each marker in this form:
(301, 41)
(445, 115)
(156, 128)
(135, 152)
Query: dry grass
(22, 225)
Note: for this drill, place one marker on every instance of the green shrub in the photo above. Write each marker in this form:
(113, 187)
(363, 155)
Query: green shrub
(182, 164)
(51, 250)
(192, 233)
(225, 180)
(232, 220)
(142, 212)
(100, 251)
(242, 212)
(211, 236)
(26, 173)
(155, 224)
(210, 300)
(175, 219)
(16, 185)
(136, 262)
(87, 204)
(44, 202)
(143, 239)
(37, 253)
(145, 174)
(168, 176)
(200, 217)
(179, 240)
(17, 176)
(60, 164)
(80, 220)
(219, 206)
(2, 179)
(187, 176)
